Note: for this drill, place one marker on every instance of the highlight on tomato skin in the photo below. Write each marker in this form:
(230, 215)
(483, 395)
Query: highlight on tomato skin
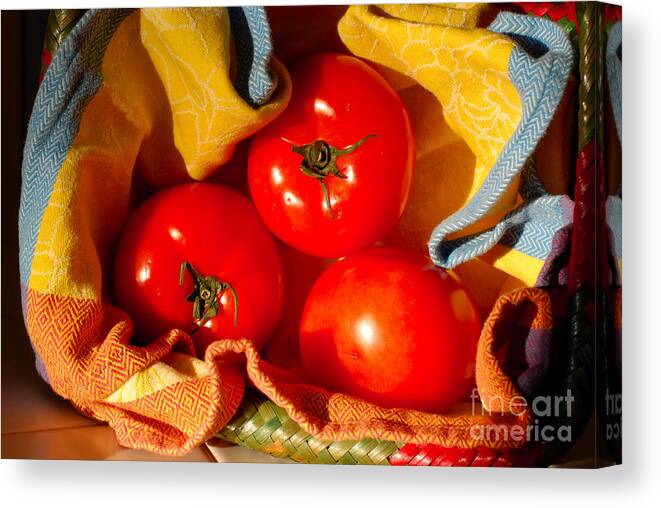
(330, 178)
(332, 174)
(387, 326)
(197, 257)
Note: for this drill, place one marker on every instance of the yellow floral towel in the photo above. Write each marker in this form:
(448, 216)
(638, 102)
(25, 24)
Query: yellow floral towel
(133, 100)
(481, 99)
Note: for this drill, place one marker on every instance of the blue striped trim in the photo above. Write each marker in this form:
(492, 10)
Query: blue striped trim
(529, 229)
(541, 82)
(252, 36)
(614, 73)
(71, 80)
(614, 221)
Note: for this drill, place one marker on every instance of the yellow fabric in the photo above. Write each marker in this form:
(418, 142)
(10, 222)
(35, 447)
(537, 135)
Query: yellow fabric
(519, 265)
(166, 112)
(466, 70)
(461, 15)
(453, 77)
(175, 368)
(485, 283)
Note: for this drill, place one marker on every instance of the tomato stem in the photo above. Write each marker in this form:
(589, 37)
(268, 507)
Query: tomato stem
(205, 295)
(320, 161)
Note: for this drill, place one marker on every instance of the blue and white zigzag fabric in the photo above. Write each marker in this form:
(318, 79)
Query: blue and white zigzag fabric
(252, 35)
(539, 68)
(614, 75)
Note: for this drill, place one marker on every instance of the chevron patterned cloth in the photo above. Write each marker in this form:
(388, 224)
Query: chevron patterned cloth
(517, 332)
(132, 95)
(614, 75)
(147, 96)
(494, 93)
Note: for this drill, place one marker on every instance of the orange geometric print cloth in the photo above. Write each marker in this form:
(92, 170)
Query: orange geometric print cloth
(85, 346)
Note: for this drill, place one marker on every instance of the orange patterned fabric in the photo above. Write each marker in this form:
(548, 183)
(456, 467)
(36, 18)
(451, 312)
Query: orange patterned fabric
(85, 347)
(87, 344)
(524, 310)
(337, 416)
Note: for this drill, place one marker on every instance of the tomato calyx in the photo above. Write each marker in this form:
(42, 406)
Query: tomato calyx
(205, 294)
(320, 161)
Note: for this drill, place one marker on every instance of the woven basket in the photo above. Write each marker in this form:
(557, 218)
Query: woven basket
(59, 24)
(590, 329)
(262, 425)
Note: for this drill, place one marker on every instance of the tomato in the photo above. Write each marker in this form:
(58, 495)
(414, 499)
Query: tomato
(332, 173)
(188, 255)
(300, 271)
(387, 326)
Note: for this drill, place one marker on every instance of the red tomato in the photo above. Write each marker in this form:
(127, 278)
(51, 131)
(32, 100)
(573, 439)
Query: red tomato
(332, 174)
(229, 252)
(387, 326)
(300, 271)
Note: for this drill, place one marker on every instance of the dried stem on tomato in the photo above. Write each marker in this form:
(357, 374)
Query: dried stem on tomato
(320, 161)
(206, 293)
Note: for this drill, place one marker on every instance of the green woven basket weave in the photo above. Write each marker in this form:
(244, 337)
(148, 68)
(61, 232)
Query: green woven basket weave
(262, 425)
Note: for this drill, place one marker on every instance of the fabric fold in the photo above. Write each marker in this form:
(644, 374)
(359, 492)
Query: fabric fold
(539, 66)
(614, 75)
(134, 100)
(498, 90)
